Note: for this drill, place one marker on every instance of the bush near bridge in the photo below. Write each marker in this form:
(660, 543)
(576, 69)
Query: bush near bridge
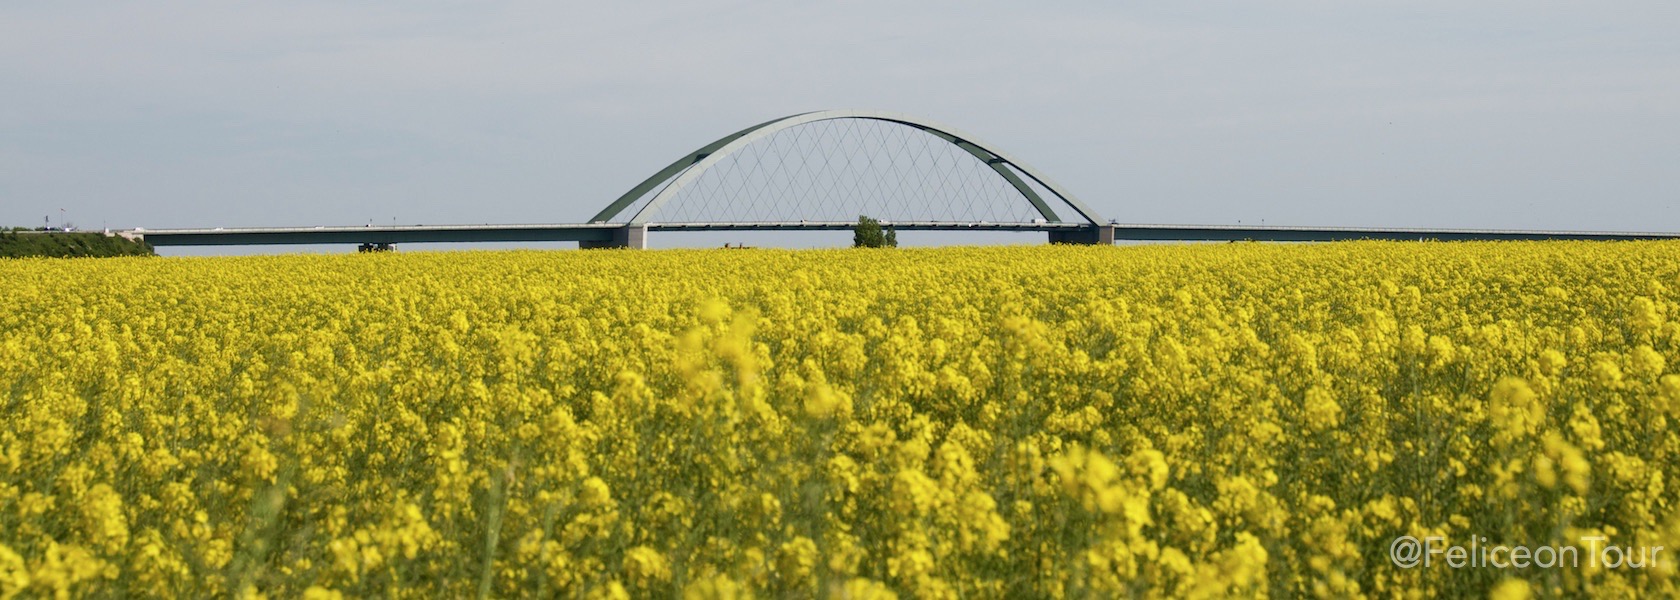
(1183, 421)
(869, 234)
(20, 243)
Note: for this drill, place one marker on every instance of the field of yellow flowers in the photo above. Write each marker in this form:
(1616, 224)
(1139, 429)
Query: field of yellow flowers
(1201, 420)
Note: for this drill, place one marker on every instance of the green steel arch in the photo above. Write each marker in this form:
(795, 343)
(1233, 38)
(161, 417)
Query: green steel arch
(688, 168)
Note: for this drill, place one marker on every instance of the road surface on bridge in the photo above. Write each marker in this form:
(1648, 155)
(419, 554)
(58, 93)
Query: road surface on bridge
(604, 233)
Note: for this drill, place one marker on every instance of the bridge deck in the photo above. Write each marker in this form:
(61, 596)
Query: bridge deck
(848, 225)
(1330, 234)
(554, 232)
(379, 234)
(605, 232)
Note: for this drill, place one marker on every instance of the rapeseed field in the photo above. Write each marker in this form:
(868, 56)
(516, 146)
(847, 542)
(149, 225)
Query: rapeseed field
(1175, 421)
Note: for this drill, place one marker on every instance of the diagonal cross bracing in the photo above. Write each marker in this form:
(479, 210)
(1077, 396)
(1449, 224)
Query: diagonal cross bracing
(835, 159)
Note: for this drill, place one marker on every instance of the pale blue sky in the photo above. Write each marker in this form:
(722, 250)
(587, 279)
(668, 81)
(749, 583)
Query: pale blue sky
(1436, 114)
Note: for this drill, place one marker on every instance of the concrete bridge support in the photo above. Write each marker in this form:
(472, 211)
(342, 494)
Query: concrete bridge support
(628, 236)
(1091, 235)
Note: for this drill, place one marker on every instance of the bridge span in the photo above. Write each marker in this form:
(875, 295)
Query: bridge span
(587, 235)
(608, 235)
(818, 171)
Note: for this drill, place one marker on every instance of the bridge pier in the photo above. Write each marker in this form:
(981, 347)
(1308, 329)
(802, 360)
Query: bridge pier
(1093, 235)
(628, 236)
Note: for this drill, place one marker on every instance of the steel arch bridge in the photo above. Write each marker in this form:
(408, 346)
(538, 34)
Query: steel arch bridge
(1015, 196)
(684, 172)
(639, 209)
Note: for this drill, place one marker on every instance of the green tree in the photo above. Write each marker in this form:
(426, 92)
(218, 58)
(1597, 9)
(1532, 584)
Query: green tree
(868, 234)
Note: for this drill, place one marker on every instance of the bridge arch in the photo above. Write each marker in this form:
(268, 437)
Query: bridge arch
(684, 171)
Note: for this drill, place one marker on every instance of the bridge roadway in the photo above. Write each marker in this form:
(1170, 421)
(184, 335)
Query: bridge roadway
(621, 235)
(591, 234)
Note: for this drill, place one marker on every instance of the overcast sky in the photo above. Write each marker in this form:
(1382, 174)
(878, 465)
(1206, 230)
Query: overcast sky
(1437, 114)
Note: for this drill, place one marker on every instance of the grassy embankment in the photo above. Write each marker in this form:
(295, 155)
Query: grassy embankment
(23, 243)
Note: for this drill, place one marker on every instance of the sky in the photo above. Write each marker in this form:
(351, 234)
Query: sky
(1400, 114)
